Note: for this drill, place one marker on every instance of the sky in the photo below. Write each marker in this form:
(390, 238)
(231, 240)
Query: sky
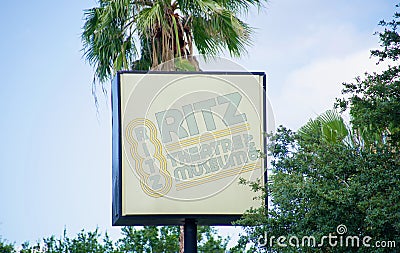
(55, 149)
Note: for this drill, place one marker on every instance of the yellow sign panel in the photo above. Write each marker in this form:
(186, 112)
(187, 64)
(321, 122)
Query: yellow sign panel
(182, 141)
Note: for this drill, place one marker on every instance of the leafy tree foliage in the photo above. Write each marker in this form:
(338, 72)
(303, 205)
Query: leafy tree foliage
(166, 239)
(150, 239)
(317, 185)
(374, 100)
(134, 240)
(91, 241)
(328, 174)
(209, 241)
(6, 247)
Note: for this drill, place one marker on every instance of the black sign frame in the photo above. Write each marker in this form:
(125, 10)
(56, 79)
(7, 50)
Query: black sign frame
(159, 220)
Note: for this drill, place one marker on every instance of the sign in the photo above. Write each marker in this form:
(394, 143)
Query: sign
(181, 143)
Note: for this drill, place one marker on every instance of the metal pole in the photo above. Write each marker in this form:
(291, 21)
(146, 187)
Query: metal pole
(190, 236)
(181, 236)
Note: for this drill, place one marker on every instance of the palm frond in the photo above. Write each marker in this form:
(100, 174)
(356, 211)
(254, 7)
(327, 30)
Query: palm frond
(165, 29)
(328, 127)
(241, 6)
(216, 28)
(107, 40)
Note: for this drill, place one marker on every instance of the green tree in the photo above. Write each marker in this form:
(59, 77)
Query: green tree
(328, 127)
(209, 241)
(317, 185)
(134, 240)
(327, 174)
(150, 239)
(166, 239)
(6, 247)
(126, 35)
(374, 100)
(90, 242)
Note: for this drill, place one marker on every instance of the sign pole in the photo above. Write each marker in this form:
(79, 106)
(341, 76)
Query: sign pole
(190, 236)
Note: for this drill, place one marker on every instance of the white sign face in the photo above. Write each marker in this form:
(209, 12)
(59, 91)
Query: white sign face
(187, 139)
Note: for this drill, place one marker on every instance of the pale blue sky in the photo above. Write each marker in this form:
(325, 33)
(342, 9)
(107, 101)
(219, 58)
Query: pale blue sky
(55, 151)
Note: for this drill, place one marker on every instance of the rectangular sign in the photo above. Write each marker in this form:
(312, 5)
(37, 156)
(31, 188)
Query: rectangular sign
(182, 141)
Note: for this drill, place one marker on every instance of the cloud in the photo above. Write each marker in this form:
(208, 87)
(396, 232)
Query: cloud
(310, 90)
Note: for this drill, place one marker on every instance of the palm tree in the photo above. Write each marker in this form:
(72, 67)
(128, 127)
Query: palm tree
(142, 34)
(328, 127)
